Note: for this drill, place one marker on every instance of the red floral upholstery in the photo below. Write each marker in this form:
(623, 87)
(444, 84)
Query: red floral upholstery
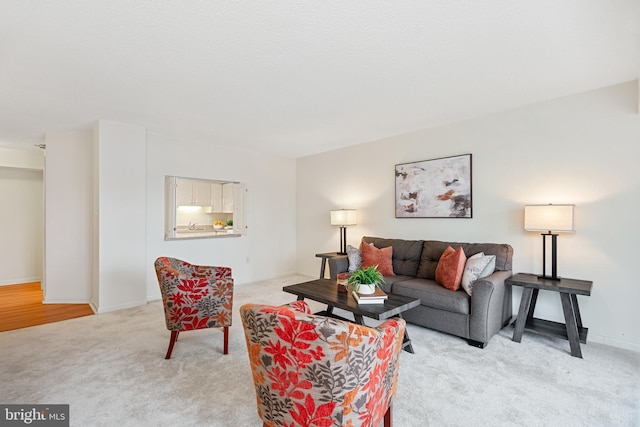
(194, 297)
(312, 370)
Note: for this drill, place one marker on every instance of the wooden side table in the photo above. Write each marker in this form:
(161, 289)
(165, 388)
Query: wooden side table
(568, 289)
(325, 256)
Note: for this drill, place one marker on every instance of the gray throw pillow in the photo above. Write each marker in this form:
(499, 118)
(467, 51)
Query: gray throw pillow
(355, 258)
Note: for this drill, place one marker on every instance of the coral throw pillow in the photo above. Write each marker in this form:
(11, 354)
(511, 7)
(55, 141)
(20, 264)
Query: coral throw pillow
(450, 268)
(380, 257)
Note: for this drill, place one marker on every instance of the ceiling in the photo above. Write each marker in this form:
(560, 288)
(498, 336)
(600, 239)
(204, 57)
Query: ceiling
(295, 78)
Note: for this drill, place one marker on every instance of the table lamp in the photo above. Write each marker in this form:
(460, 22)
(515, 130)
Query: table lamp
(549, 218)
(342, 218)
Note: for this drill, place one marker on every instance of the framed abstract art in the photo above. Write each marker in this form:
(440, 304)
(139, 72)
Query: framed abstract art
(437, 188)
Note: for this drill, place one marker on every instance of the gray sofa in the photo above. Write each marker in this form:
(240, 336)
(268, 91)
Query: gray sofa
(476, 318)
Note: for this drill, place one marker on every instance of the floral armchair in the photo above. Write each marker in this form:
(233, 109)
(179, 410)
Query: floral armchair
(311, 370)
(194, 297)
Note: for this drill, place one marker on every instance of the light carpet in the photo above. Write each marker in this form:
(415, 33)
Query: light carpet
(111, 369)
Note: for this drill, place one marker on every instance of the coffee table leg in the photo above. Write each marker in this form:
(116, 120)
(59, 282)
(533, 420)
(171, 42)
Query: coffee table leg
(406, 341)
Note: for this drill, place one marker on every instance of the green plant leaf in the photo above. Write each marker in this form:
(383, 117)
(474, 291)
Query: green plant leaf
(366, 276)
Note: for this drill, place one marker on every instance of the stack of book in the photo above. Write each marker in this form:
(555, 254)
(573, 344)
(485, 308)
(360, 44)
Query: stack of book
(377, 297)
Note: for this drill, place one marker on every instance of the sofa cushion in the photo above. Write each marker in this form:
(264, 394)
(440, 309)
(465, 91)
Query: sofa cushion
(433, 295)
(450, 268)
(502, 251)
(406, 253)
(390, 281)
(372, 256)
(433, 249)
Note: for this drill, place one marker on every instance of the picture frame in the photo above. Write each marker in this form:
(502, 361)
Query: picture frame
(436, 188)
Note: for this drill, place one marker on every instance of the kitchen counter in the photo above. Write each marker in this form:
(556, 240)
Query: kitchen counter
(201, 232)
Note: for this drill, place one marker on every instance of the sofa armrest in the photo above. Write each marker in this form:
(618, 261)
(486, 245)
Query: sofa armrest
(491, 306)
(338, 264)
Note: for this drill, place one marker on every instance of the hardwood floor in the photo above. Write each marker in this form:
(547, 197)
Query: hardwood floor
(21, 306)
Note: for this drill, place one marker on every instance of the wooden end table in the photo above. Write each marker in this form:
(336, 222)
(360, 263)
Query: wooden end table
(325, 256)
(568, 289)
(326, 292)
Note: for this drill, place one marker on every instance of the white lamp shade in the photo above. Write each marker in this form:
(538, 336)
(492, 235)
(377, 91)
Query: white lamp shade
(549, 218)
(343, 217)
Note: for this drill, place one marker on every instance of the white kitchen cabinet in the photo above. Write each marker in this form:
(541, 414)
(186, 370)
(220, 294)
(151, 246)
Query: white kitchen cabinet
(184, 192)
(201, 193)
(239, 202)
(193, 193)
(227, 197)
(216, 197)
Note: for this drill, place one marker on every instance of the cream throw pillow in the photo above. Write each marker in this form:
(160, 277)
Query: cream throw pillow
(477, 267)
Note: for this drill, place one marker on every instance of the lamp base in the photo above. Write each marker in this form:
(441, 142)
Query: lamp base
(556, 278)
(554, 262)
(343, 240)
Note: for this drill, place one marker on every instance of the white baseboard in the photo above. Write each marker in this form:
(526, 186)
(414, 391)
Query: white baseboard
(102, 310)
(21, 280)
(612, 342)
(64, 301)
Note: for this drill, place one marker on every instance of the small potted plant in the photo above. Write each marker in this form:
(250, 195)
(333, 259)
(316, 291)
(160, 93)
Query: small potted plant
(365, 280)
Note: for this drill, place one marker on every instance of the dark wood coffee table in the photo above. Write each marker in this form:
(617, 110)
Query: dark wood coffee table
(326, 292)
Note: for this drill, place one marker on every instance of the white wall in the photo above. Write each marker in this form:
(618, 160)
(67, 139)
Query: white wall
(266, 251)
(109, 261)
(68, 190)
(582, 149)
(119, 243)
(22, 216)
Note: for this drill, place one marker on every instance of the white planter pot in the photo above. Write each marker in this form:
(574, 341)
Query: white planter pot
(366, 289)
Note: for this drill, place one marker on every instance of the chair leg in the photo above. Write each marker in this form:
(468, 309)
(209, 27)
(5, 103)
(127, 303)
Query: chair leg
(388, 416)
(226, 340)
(172, 341)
